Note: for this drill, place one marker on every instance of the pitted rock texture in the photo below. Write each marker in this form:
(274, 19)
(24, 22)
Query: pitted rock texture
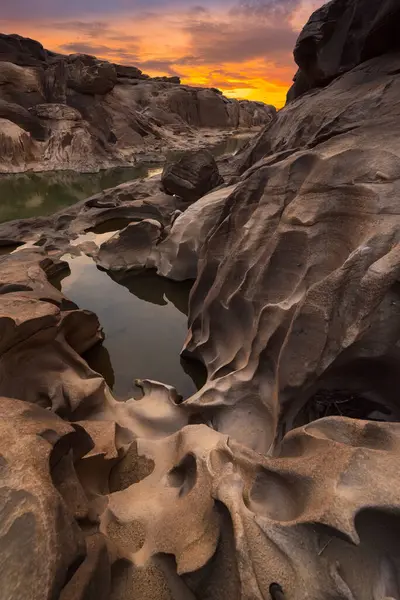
(260, 485)
(112, 112)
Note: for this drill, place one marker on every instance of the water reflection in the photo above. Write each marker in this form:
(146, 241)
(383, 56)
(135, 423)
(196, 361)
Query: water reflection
(37, 194)
(144, 318)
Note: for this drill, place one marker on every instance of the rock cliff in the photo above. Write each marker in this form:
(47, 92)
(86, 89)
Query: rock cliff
(83, 114)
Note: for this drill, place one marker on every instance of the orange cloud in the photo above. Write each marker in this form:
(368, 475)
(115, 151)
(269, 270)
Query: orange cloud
(245, 49)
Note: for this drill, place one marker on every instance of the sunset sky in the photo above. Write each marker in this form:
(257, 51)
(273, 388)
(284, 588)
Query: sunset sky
(243, 47)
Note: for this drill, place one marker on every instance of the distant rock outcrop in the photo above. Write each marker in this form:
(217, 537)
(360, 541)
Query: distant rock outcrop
(119, 111)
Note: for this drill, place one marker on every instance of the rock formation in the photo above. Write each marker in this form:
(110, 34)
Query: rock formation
(260, 485)
(191, 176)
(83, 114)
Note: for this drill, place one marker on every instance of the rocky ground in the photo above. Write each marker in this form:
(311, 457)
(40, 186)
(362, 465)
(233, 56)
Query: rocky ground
(279, 478)
(80, 113)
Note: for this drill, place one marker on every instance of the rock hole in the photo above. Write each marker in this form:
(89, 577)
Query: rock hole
(344, 403)
(277, 497)
(115, 224)
(131, 469)
(276, 591)
(184, 475)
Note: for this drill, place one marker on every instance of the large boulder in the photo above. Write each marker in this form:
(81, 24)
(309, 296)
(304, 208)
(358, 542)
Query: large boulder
(16, 147)
(23, 118)
(129, 72)
(132, 247)
(339, 36)
(191, 176)
(20, 85)
(178, 254)
(87, 75)
(22, 51)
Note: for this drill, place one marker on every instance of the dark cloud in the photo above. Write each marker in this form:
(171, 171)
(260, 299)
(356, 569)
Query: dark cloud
(100, 51)
(230, 85)
(235, 42)
(94, 30)
(252, 29)
(198, 11)
(91, 29)
(165, 66)
(65, 9)
(266, 9)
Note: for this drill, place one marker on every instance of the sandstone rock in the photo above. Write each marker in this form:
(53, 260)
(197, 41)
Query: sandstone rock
(131, 248)
(34, 513)
(130, 72)
(56, 112)
(20, 85)
(172, 79)
(252, 114)
(23, 118)
(179, 253)
(90, 76)
(305, 256)
(123, 111)
(55, 82)
(21, 51)
(15, 146)
(33, 314)
(191, 176)
(339, 36)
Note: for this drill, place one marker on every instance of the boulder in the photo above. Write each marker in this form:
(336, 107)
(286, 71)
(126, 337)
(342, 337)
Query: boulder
(16, 147)
(172, 79)
(178, 254)
(56, 112)
(23, 118)
(90, 76)
(20, 85)
(22, 51)
(129, 72)
(339, 36)
(191, 176)
(131, 248)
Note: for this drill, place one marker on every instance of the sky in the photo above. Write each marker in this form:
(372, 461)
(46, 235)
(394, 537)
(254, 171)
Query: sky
(242, 47)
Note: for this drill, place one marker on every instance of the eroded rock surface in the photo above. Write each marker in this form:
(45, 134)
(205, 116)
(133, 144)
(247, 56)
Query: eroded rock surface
(111, 112)
(191, 176)
(241, 490)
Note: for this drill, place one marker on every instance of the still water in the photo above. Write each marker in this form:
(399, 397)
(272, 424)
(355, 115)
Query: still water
(37, 194)
(144, 318)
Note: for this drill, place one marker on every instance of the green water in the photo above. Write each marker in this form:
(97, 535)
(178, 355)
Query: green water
(38, 194)
(144, 317)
